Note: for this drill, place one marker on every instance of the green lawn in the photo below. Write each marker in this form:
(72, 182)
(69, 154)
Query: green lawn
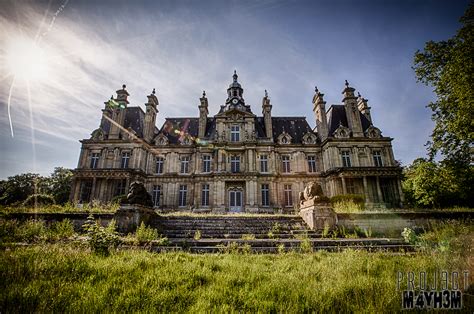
(59, 277)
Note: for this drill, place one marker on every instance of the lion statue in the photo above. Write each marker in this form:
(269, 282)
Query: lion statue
(312, 192)
(138, 195)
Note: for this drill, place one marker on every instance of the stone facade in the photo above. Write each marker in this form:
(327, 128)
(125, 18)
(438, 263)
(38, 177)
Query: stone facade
(235, 160)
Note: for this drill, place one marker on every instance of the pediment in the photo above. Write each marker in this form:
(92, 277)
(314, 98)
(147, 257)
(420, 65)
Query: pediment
(161, 140)
(309, 138)
(235, 114)
(342, 132)
(373, 132)
(284, 138)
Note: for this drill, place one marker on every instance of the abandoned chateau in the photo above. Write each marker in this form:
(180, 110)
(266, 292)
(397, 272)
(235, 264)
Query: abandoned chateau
(236, 160)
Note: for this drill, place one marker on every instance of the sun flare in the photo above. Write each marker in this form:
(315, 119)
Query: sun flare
(26, 60)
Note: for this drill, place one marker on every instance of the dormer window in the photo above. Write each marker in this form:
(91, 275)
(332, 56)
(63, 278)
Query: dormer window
(235, 93)
(235, 133)
(284, 140)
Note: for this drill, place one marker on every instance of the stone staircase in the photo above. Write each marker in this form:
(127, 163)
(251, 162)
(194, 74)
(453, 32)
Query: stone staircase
(258, 234)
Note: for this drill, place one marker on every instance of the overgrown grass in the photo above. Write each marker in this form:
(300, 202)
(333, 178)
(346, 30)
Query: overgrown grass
(66, 208)
(54, 278)
(33, 231)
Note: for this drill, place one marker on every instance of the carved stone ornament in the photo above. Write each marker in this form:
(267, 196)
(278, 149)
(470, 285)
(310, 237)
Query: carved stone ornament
(97, 134)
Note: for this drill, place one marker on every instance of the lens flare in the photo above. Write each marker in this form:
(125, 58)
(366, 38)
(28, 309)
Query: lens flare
(26, 60)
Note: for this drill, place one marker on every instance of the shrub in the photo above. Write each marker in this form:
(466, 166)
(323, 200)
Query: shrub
(248, 237)
(197, 235)
(101, 239)
(39, 199)
(61, 230)
(281, 248)
(348, 203)
(31, 231)
(145, 234)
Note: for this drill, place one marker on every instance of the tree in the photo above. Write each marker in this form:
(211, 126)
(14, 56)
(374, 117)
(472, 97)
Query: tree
(448, 66)
(60, 184)
(17, 188)
(431, 184)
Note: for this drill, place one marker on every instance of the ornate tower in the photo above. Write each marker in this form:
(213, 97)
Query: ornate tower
(364, 107)
(267, 115)
(203, 112)
(118, 112)
(150, 116)
(319, 110)
(352, 112)
(234, 95)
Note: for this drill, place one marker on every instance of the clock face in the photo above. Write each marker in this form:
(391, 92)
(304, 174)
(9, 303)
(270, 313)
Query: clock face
(235, 101)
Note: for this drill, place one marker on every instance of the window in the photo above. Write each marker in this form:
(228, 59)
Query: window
(120, 187)
(159, 164)
(156, 195)
(312, 163)
(351, 186)
(183, 191)
(263, 163)
(235, 164)
(234, 133)
(185, 164)
(377, 158)
(288, 195)
(346, 158)
(206, 163)
(265, 195)
(286, 164)
(125, 160)
(205, 195)
(95, 160)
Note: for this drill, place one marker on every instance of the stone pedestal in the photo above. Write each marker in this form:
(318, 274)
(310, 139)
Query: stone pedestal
(129, 217)
(318, 215)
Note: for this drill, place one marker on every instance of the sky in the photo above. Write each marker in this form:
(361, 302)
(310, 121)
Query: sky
(85, 50)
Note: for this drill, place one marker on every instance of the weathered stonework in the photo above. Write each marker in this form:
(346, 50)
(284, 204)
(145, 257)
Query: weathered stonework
(190, 163)
(129, 217)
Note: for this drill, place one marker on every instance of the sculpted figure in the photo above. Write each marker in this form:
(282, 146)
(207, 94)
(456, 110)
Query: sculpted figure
(312, 191)
(138, 195)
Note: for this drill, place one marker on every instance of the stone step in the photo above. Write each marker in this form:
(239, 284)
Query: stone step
(291, 242)
(237, 236)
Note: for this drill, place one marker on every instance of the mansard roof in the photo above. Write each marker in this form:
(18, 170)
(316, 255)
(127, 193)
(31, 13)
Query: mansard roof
(336, 115)
(296, 127)
(134, 119)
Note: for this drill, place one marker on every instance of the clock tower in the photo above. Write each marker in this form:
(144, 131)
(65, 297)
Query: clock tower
(234, 95)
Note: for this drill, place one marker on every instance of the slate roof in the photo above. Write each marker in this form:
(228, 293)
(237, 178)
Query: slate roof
(336, 115)
(134, 118)
(297, 127)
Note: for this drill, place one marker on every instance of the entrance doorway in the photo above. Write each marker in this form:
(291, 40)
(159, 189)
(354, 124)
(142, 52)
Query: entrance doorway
(235, 201)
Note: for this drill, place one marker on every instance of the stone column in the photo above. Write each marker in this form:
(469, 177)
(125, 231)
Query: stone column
(366, 191)
(344, 189)
(379, 190)
(93, 191)
(400, 192)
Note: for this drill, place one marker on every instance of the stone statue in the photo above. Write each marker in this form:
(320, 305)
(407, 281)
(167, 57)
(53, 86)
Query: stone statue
(313, 193)
(138, 195)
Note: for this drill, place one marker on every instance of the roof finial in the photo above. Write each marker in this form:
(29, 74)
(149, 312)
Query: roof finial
(346, 83)
(358, 95)
(153, 92)
(203, 93)
(235, 76)
(266, 93)
(316, 89)
(112, 97)
(124, 86)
